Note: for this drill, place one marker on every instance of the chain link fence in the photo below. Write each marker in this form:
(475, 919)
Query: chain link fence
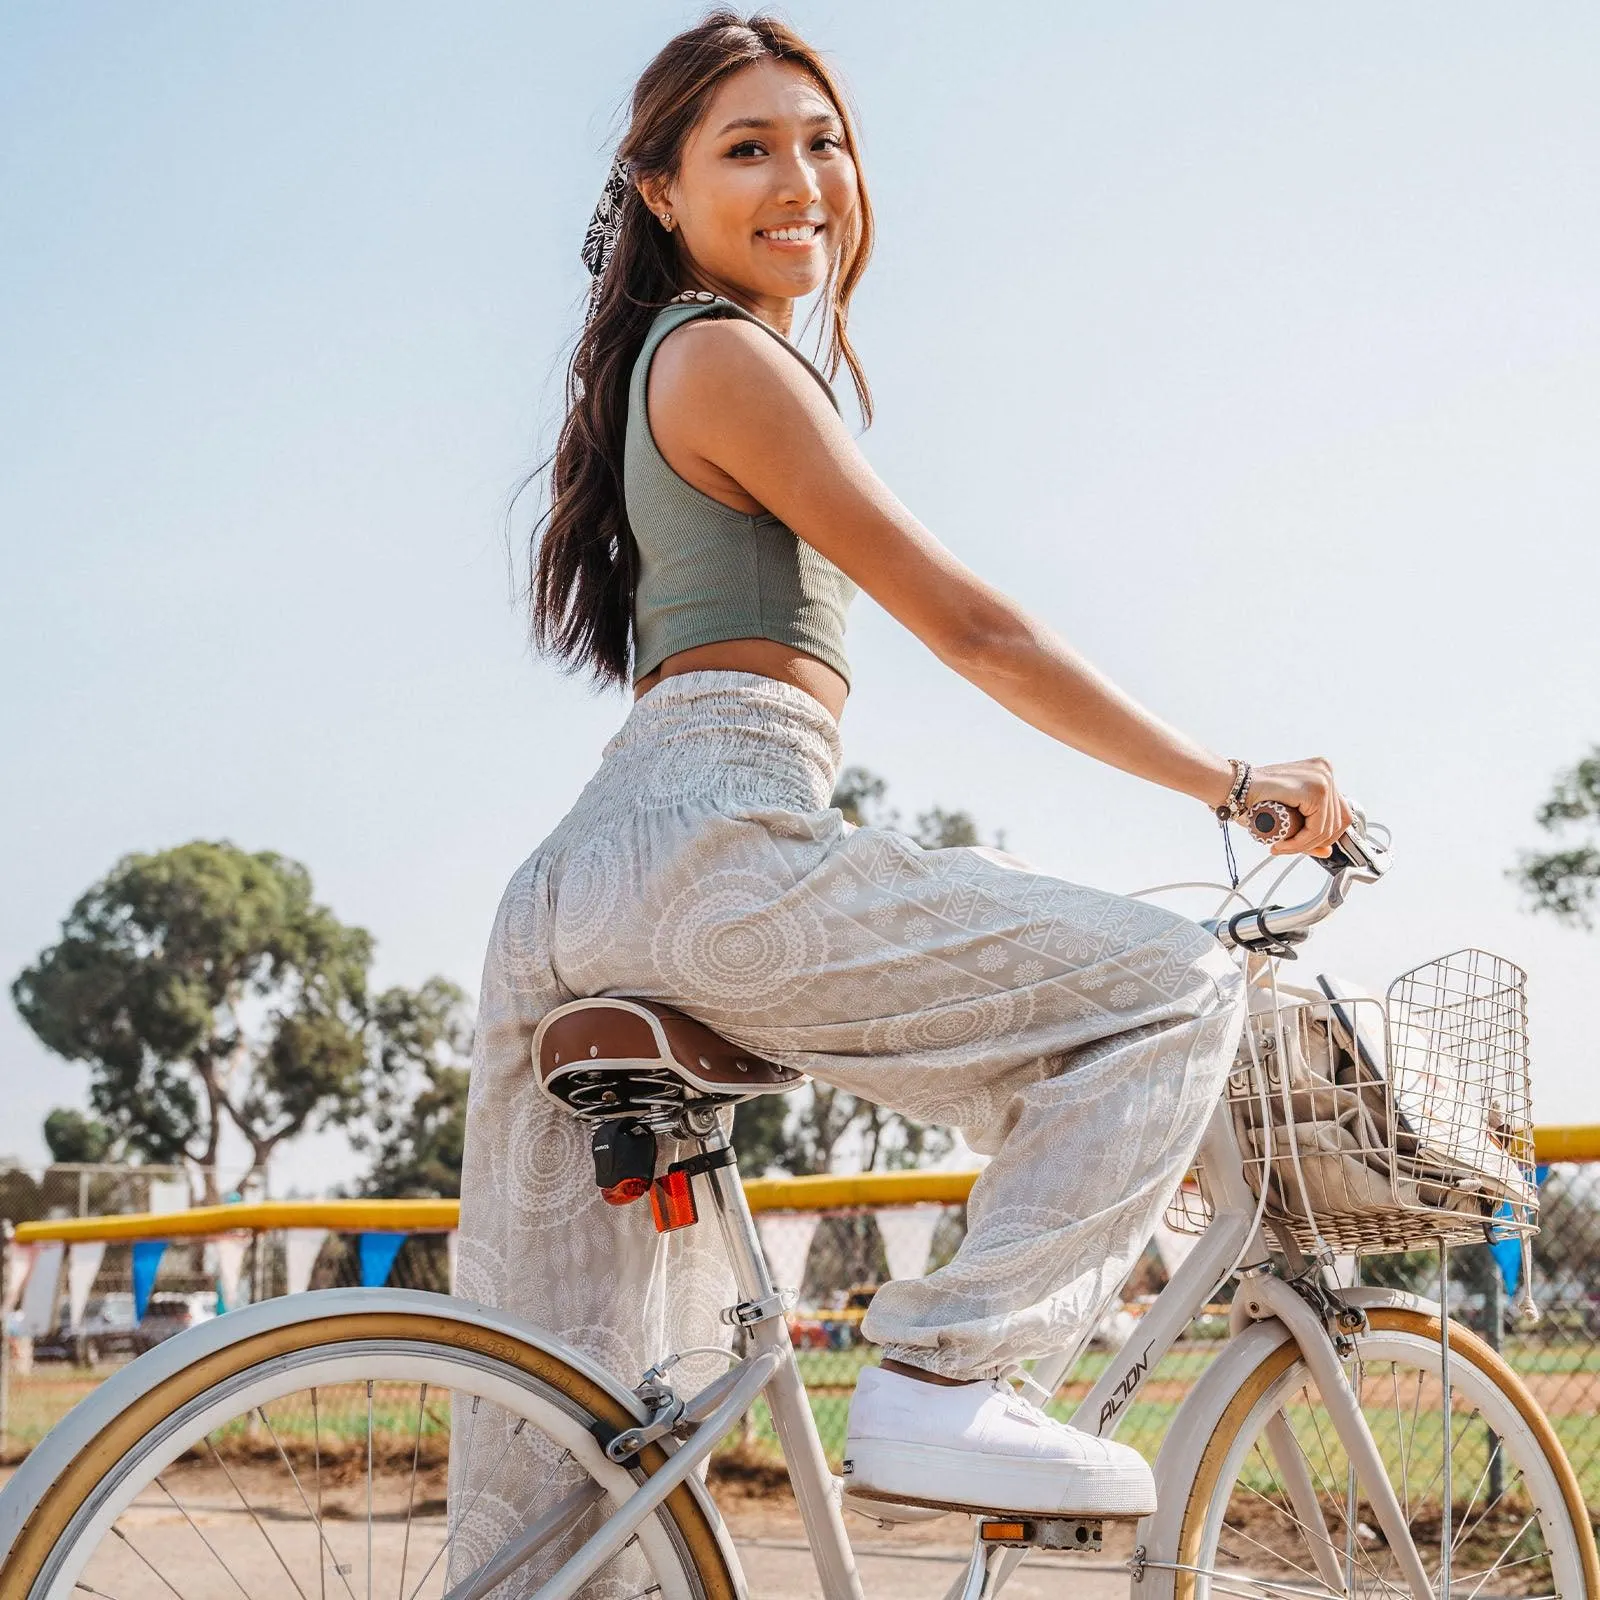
(98, 1189)
(839, 1257)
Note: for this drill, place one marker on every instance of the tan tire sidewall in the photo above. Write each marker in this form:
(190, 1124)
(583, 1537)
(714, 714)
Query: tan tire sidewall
(1386, 1319)
(55, 1511)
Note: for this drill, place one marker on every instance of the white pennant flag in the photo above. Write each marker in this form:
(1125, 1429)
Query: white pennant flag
(21, 1259)
(230, 1250)
(908, 1237)
(83, 1262)
(786, 1238)
(301, 1247)
(42, 1290)
(452, 1242)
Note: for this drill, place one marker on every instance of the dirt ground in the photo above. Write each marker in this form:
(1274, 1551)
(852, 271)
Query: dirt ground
(199, 1519)
(276, 1551)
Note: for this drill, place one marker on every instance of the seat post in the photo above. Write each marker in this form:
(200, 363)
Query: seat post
(751, 1275)
(803, 1455)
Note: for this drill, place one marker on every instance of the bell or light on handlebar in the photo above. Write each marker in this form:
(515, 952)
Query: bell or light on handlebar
(1271, 821)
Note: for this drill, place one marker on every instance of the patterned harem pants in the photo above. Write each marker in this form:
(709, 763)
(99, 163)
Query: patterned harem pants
(1079, 1038)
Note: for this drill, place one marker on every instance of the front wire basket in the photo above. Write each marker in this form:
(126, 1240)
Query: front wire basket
(1384, 1126)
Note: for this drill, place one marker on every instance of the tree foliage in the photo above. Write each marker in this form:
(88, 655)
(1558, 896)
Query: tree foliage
(816, 1128)
(860, 796)
(205, 985)
(76, 1139)
(1565, 882)
(419, 1117)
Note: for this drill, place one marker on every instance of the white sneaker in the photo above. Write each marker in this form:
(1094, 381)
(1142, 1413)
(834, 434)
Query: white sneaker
(982, 1447)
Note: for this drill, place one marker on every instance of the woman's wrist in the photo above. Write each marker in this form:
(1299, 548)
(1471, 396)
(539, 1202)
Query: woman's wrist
(1213, 781)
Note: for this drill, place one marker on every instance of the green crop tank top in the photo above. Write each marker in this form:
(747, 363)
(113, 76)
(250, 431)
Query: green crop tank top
(707, 571)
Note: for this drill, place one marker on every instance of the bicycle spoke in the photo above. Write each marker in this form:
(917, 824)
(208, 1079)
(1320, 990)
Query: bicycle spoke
(369, 1489)
(316, 1516)
(161, 1576)
(184, 1513)
(1326, 1484)
(1405, 1463)
(1477, 1489)
(1416, 1408)
(255, 1519)
(411, 1490)
(1502, 1565)
(1275, 1554)
(1306, 1531)
(1289, 1513)
(1490, 1507)
(316, 1446)
(1285, 1507)
(489, 1476)
(212, 1479)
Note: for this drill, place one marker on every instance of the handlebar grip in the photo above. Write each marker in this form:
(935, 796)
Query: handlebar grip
(1271, 821)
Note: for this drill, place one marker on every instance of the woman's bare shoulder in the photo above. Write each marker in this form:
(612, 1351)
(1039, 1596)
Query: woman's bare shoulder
(711, 362)
(742, 413)
(720, 386)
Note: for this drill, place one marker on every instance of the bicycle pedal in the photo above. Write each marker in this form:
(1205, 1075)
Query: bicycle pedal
(1043, 1533)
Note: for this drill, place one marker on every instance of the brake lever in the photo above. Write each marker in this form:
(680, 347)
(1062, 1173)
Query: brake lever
(1356, 852)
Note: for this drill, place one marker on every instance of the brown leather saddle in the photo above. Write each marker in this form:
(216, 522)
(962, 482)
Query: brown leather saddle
(607, 1057)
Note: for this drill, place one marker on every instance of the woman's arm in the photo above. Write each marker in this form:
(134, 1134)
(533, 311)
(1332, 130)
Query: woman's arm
(743, 407)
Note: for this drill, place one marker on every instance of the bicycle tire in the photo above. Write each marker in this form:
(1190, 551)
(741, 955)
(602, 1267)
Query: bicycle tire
(1395, 1334)
(130, 1448)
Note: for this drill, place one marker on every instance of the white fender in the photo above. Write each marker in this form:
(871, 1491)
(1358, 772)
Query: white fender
(62, 1444)
(1178, 1464)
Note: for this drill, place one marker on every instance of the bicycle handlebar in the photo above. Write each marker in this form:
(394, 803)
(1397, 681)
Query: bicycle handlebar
(1356, 857)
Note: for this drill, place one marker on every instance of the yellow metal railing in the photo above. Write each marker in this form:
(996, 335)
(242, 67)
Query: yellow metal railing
(440, 1216)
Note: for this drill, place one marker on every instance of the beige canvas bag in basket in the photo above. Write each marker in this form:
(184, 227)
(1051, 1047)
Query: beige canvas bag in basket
(1366, 1145)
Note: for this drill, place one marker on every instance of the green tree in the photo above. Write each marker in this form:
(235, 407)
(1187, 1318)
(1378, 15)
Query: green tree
(21, 1199)
(419, 1118)
(204, 985)
(1564, 882)
(808, 1131)
(860, 796)
(77, 1139)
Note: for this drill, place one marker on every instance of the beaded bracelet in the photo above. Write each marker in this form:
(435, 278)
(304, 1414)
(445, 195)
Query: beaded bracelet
(1238, 801)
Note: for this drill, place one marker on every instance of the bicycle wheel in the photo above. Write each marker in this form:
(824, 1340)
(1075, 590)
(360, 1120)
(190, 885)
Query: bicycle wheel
(309, 1457)
(1274, 1507)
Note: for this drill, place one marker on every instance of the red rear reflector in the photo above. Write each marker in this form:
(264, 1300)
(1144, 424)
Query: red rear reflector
(672, 1202)
(626, 1192)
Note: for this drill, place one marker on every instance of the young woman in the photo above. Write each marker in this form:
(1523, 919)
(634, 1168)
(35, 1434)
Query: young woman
(711, 520)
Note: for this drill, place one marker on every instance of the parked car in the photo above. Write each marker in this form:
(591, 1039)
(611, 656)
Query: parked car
(808, 1333)
(108, 1328)
(171, 1311)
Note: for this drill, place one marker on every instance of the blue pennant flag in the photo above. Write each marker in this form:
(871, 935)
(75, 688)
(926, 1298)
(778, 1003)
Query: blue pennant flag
(1508, 1252)
(147, 1255)
(378, 1251)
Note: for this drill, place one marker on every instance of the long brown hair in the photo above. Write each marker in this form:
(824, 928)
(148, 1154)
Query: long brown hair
(582, 571)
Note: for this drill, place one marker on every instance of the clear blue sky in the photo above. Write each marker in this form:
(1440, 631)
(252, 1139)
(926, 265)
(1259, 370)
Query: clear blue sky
(1257, 347)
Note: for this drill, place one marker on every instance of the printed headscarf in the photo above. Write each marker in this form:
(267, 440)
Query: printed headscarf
(601, 238)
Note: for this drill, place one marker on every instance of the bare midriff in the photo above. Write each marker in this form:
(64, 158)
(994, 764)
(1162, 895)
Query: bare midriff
(766, 657)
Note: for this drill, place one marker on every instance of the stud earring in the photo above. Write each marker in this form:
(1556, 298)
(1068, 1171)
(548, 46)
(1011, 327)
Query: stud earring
(666, 220)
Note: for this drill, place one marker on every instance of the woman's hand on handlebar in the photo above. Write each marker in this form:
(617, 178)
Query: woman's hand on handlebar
(1307, 787)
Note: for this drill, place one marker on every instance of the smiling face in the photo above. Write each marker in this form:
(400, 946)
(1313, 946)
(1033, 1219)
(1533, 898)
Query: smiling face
(766, 191)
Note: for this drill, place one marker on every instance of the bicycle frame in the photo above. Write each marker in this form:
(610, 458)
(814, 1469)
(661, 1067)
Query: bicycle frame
(770, 1369)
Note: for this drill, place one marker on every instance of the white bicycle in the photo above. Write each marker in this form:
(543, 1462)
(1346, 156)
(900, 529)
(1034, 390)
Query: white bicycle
(1343, 1441)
